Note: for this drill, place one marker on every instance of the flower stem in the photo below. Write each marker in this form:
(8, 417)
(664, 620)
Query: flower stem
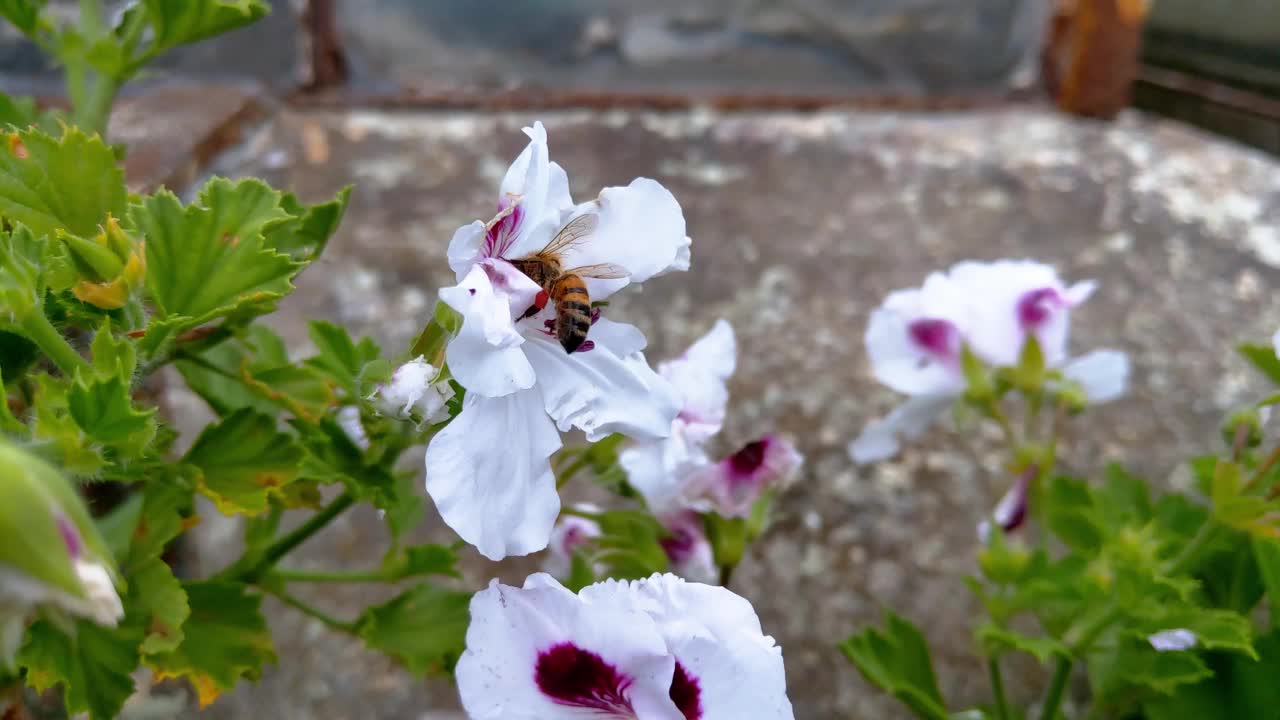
(1186, 559)
(997, 688)
(1057, 686)
(286, 544)
(324, 617)
(40, 331)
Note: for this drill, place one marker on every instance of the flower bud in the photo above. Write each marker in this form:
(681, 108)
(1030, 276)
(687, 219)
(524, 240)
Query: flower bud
(414, 389)
(51, 555)
(1246, 422)
(111, 266)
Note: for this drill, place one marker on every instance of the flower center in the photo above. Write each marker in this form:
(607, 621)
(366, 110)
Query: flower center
(502, 229)
(678, 545)
(580, 678)
(749, 458)
(935, 337)
(1035, 307)
(686, 693)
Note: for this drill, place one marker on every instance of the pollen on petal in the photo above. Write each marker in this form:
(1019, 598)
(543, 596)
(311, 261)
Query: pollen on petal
(686, 693)
(574, 677)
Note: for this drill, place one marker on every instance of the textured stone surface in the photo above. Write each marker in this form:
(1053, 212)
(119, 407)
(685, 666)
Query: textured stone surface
(801, 223)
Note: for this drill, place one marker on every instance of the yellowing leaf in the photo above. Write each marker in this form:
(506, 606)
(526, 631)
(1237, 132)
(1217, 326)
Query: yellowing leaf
(243, 459)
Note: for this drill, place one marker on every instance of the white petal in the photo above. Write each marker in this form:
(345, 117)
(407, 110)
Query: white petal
(715, 353)
(641, 230)
(659, 470)
(486, 356)
(879, 440)
(1173, 640)
(104, 603)
(406, 388)
(558, 188)
(530, 174)
(1104, 374)
(995, 291)
(716, 636)
(466, 248)
(622, 339)
(348, 418)
(511, 627)
(489, 474)
(699, 375)
(1275, 342)
(896, 359)
(570, 533)
(601, 393)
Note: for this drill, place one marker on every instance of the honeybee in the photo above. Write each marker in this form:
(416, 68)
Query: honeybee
(566, 288)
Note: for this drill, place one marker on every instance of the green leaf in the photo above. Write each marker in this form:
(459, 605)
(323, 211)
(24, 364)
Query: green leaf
(21, 112)
(1134, 664)
(1239, 688)
(224, 639)
(104, 409)
(897, 661)
(425, 628)
(1266, 553)
(1031, 365)
(629, 544)
(209, 259)
(1262, 357)
(306, 235)
(24, 14)
(54, 185)
(1072, 515)
(23, 258)
(178, 22)
(429, 560)
(58, 436)
(1124, 499)
(215, 376)
(157, 595)
(1229, 574)
(243, 459)
(112, 356)
(94, 664)
(996, 641)
(339, 358)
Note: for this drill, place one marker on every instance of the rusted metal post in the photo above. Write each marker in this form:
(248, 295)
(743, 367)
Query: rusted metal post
(328, 62)
(1091, 58)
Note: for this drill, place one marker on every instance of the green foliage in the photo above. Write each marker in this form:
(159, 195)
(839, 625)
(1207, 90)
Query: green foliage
(243, 460)
(1239, 688)
(629, 544)
(179, 22)
(896, 660)
(92, 663)
(59, 185)
(425, 628)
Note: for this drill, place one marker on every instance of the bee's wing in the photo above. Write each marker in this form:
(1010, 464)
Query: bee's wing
(572, 233)
(603, 271)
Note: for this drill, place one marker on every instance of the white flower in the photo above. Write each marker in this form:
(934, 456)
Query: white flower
(689, 552)
(488, 471)
(413, 388)
(916, 337)
(731, 487)
(348, 418)
(571, 533)
(1011, 511)
(1173, 640)
(653, 649)
(658, 469)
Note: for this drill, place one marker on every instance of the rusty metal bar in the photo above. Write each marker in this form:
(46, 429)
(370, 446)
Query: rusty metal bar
(328, 62)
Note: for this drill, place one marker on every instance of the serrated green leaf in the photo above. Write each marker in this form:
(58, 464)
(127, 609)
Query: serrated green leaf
(896, 660)
(154, 593)
(339, 358)
(1134, 664)
(306, 235)
(224, 639)
(138, 529)
(1239, 688)
(8, 423)
(22, 282)
(243, 459)
(178, 22)
(209, 259)
(94, 664)
(112, 356)
(429, 560)
(1262, 357)
(214, 375)
(59, 438)
(425, 628)
(22, 112)
(1214, 629)
(1123, 498)
(1072, 515)
(54, 185)
(104, 410)
(996, 641)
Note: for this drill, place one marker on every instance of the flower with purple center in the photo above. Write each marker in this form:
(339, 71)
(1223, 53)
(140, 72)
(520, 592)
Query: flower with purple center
(653, 649)
(731, 487)
(916, 339)
(570, 534)
(489, 470)
(689, 553)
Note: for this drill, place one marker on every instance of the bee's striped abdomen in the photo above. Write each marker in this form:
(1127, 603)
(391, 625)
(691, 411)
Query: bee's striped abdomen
(573, 311)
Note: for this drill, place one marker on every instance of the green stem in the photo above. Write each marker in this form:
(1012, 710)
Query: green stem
(90, 18)
(324, 617)
(39, 330)
(92, 111)
(286, 544)
(726, 574)
(577, 512)
(997, 688)
(998, 415)
(335, 576)
(1057, 686)
(572, 469)
(1185, 560)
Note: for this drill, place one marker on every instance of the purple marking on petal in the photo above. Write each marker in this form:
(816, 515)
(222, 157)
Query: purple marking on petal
(936, 337)
(686, 693)
(498, 238)
(549, 324)
(678, 545)
(595, 315)
(749, 459)
(579, 678)
(1011, 511)
(471, 291)
(70, 537)
(586, 346)
(1035, 307)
